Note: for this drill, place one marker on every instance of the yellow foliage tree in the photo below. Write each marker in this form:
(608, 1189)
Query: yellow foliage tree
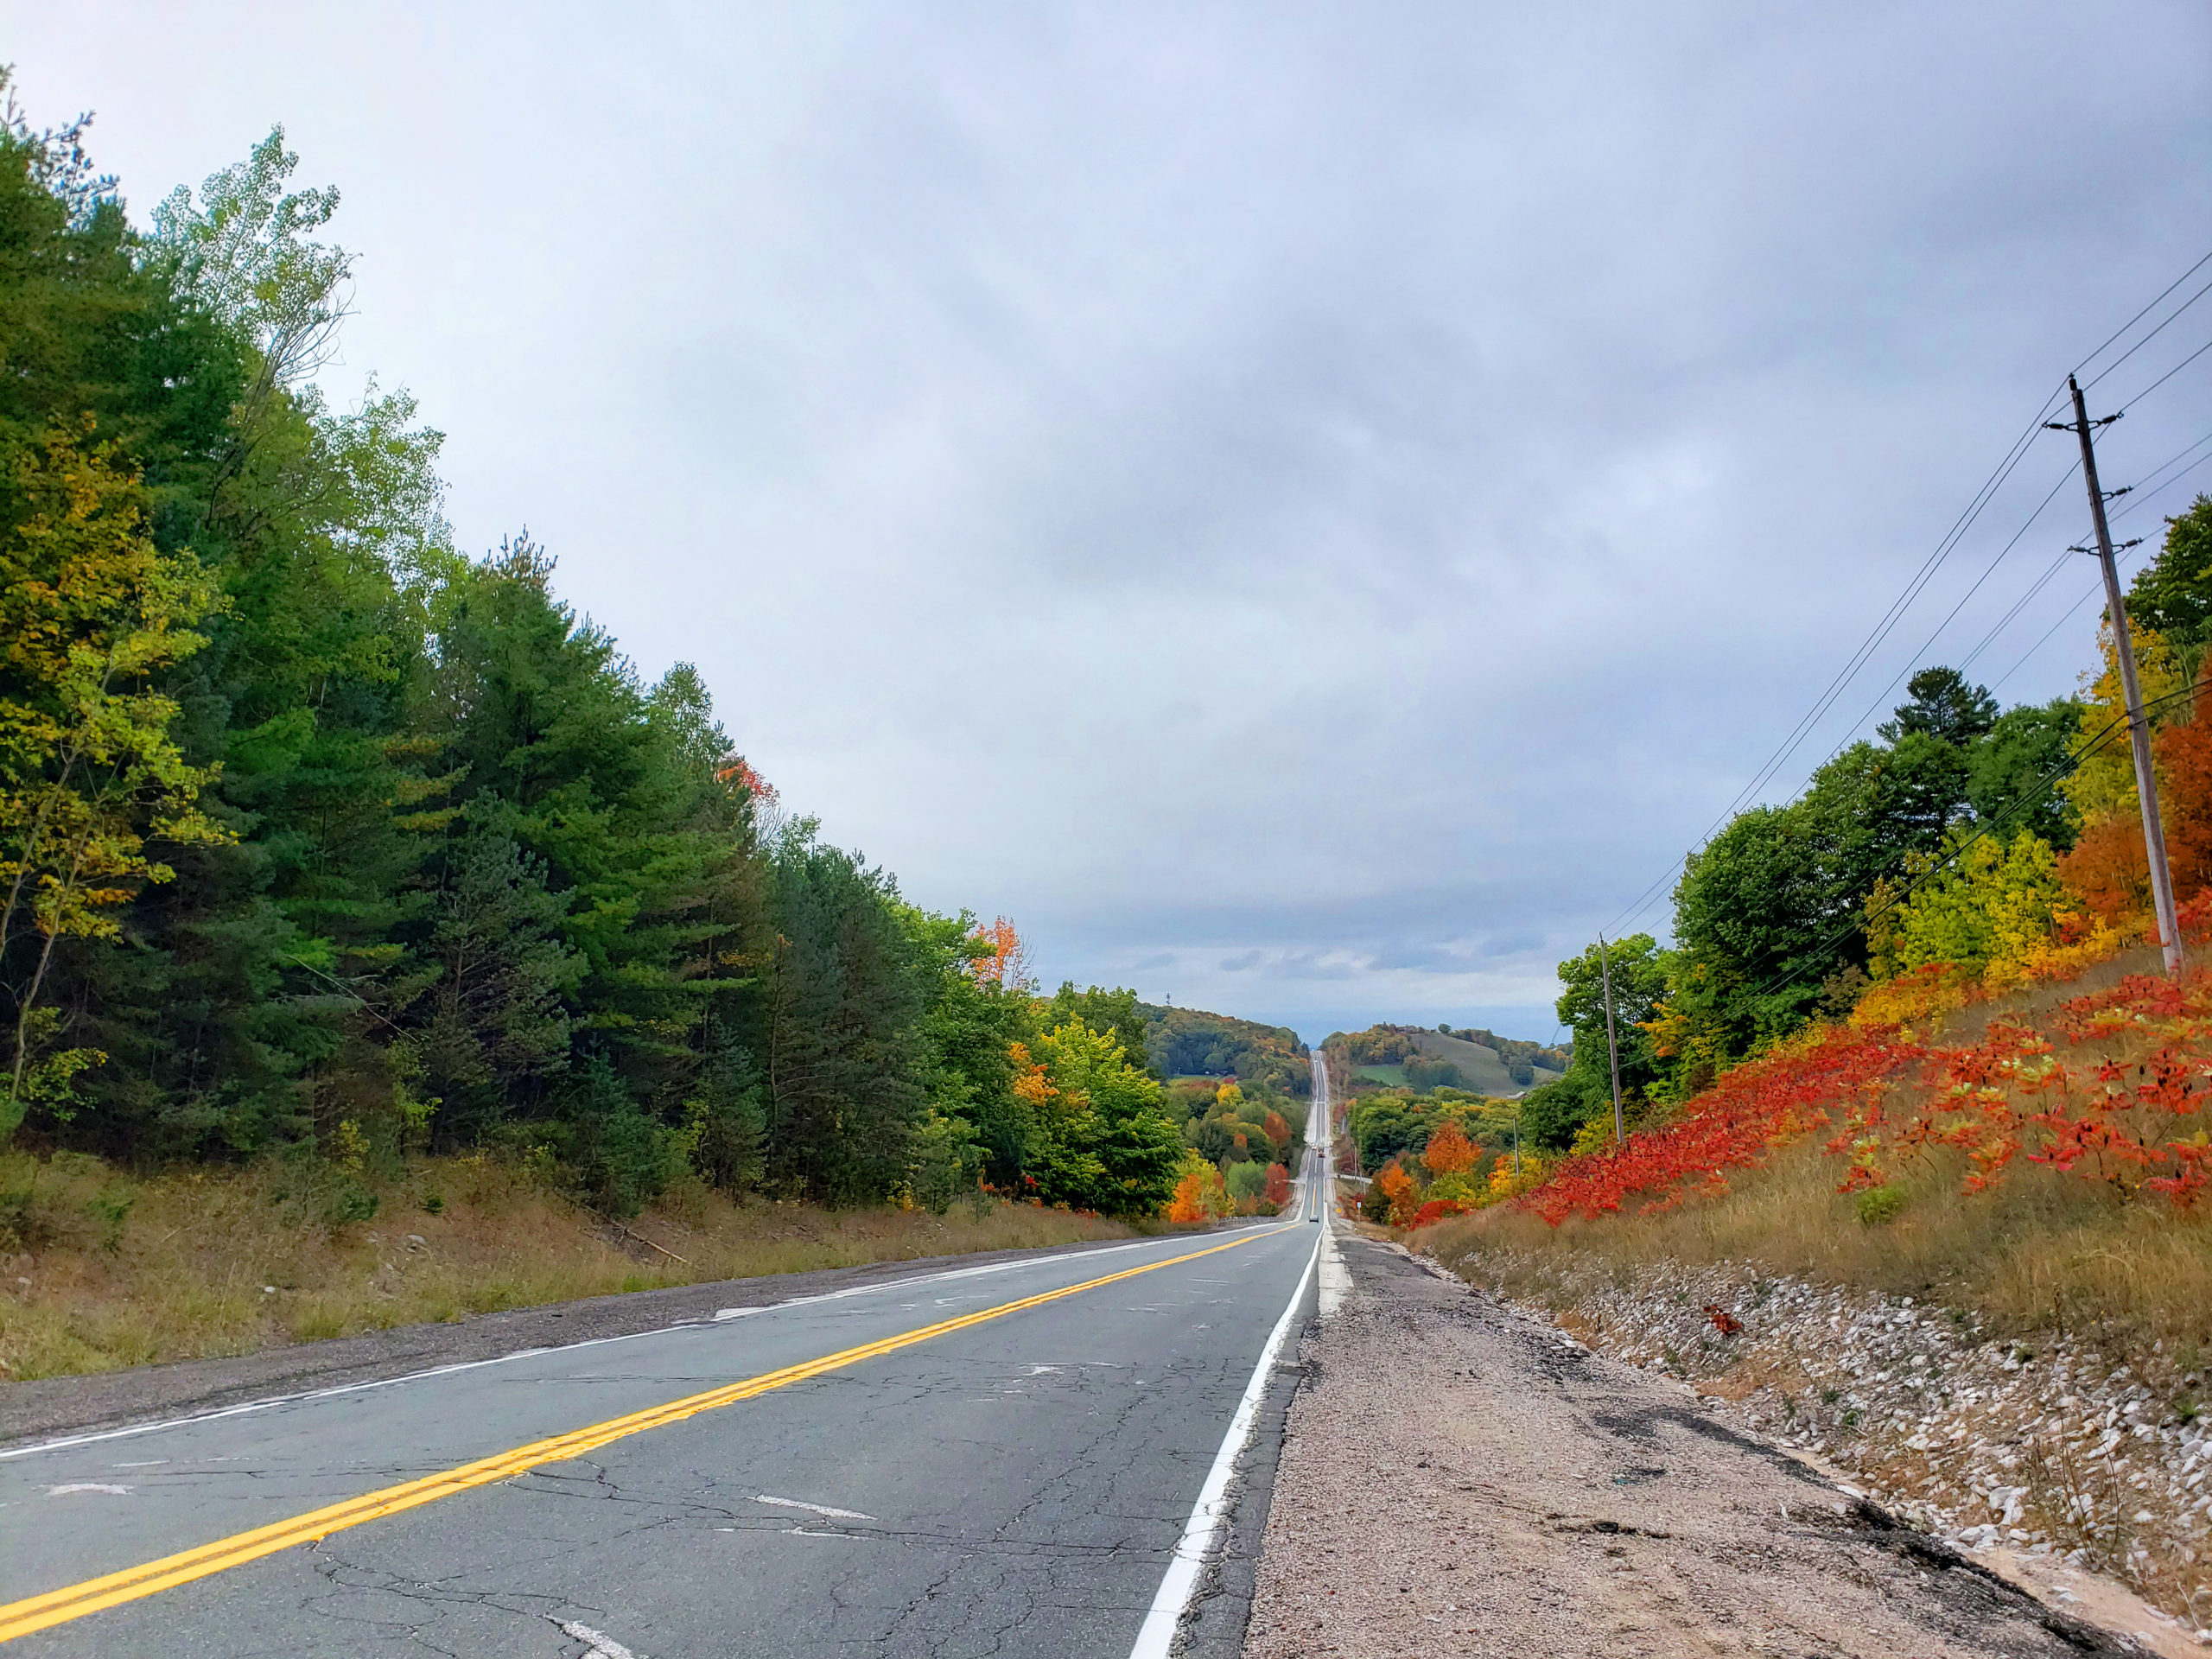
(1460, 1186)
(2103, 783)
(90, 609)
(1504, 1183)
(1993, 910)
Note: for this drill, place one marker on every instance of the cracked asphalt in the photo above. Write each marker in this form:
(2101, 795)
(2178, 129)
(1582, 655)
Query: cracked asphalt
(1015, 1487)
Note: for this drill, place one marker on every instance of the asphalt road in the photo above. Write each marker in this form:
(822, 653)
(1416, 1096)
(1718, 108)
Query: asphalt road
(1017, 1484)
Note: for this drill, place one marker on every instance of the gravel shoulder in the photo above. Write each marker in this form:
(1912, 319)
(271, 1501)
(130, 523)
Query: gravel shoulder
(65, 1405)
(1458, 1477)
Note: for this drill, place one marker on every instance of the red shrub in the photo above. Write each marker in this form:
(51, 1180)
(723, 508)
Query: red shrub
(1438, 1210)
(1733, 1125)
(2140, 1126)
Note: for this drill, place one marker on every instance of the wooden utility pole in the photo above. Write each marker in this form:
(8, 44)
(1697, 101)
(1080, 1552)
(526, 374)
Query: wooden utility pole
(1612, 1048)
(2138, 727)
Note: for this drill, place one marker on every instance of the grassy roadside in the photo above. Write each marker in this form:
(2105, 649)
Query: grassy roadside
(2041, 1252)
(101, 1269)
(2010, 1355)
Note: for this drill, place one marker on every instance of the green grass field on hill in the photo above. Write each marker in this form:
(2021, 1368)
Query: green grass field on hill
(1482, 1067)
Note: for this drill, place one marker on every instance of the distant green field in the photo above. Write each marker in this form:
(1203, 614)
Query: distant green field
(1481, 1070)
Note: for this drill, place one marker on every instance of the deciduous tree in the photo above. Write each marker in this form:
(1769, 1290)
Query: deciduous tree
(90, 775)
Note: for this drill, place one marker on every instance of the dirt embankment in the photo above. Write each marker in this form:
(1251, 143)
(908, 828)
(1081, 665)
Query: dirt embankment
(1459, 1477)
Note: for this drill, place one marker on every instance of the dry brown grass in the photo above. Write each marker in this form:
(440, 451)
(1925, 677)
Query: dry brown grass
(99, 1269)
(2042, 1251)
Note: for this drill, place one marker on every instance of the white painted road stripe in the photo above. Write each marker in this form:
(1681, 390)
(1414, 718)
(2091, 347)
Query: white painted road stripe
(925, 1279)
(1209, 1515)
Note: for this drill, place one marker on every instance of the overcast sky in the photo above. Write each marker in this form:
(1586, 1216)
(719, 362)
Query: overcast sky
(1310, 511)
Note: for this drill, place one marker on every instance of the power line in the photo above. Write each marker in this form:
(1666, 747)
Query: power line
(2145, 312)
(2054, 628)
(2148, 338)
(1887, 623)
(2176, 479)
(2168, 375)
(2140, 495)
(2141, 492)
(1919, 656)
(2018, 605)
(2045, 640)
(1882, 630)
(2143, 485)
(2003, 820)
(1828, 699)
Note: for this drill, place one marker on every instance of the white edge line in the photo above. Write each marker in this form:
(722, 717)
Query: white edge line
(1209, 1515)
(241, 1410)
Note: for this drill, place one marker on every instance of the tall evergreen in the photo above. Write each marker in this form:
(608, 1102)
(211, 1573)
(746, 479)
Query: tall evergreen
(386, 848)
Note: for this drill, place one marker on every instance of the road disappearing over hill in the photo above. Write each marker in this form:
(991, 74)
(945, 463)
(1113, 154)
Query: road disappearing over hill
(998, 1459)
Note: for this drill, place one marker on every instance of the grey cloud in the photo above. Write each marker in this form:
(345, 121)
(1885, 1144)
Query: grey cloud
(1348, 495)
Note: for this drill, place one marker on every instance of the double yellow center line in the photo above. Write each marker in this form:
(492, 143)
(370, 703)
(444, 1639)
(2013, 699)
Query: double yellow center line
(93, 1595)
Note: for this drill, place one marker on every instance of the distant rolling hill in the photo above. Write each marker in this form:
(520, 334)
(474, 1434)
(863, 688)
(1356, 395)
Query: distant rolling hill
(1380, 1055)
(1191, 1042)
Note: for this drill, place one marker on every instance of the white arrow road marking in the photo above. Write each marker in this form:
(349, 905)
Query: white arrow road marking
(814, 1509)
(602, 1647)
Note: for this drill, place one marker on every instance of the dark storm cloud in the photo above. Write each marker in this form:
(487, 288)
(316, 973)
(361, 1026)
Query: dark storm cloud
(1310, 511)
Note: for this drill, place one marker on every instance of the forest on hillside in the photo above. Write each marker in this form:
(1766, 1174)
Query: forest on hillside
(1189, 1042)
(1966, 848)
(319, 837)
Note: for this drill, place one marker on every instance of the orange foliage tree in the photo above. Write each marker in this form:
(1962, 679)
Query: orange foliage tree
(1200, 1195)
(1006, 965)
(1403, 1196)
(1278, 1185)
(2184, 756)
(1450, 1152)
(734, 772)
(2108, 866)
(2109, 869)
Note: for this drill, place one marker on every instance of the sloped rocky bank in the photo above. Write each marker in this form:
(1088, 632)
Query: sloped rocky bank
(2051, 1447)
